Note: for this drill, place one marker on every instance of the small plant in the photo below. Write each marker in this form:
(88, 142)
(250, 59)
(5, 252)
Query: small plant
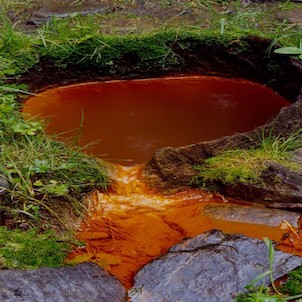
(291, 50)
(263, 293)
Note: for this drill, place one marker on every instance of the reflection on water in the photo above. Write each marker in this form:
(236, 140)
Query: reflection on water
(131, 119)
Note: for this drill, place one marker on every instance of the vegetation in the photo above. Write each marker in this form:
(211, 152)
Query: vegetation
(31, 249)
(42, 171)
(246, 166)
(290, 291)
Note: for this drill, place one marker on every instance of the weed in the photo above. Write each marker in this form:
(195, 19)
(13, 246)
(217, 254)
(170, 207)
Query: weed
(246, 166)
(293, 285)
(290, 50)
(262, 293)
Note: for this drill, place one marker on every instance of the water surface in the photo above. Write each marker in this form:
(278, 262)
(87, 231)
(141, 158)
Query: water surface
(128, 120)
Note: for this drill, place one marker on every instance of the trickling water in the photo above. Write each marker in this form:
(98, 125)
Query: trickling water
(129, 120)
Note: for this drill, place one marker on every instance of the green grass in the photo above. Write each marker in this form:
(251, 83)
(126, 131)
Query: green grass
(40, 169)
(290, 291)
(31, 249)
(246, 165)
(293, 285)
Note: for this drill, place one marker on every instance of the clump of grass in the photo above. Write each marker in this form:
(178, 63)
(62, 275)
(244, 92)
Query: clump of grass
(17, 50)
(40, 169)
(246, 166)
(31, 249)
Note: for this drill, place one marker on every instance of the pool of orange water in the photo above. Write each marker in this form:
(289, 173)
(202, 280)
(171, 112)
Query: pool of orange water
(128, 227)
(126, 121)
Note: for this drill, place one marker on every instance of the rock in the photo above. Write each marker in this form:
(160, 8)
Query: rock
(4, 185)
(211, 267)
(250, 214)
(172, 168)
(82, 283)
(49, 12)
(282, 189)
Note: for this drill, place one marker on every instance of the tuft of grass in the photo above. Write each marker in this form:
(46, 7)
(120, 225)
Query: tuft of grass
(40, 169)
(31, 249)
(246, 166)
(17, 50)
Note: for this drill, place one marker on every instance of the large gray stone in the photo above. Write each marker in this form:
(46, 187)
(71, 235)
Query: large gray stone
(82, 283)
(211, 267)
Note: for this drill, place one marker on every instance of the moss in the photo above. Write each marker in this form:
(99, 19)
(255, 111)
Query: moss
(31, 249)
(246, 166)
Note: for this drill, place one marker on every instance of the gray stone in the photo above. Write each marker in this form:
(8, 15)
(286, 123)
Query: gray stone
(250, 214)
(4, 185)
(282, 189)
(82, 283)
(211, 267)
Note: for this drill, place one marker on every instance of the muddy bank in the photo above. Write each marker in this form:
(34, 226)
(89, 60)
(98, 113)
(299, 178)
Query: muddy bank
(247, 58)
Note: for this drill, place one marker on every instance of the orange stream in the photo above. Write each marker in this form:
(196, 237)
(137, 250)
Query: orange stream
(128, 120)
(129, 227)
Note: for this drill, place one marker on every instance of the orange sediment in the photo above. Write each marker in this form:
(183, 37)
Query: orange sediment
(126, 229)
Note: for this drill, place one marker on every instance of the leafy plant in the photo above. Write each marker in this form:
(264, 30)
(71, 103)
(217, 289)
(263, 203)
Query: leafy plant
(290, 50)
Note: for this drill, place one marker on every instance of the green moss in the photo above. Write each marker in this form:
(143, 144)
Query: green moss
(30, 249)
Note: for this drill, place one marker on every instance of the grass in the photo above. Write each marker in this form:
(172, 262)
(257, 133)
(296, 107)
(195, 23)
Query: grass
(290, 291)
(246, 166)
(40, 169)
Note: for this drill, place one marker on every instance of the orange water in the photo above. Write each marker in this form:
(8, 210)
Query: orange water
(129, 120)
(126, 229)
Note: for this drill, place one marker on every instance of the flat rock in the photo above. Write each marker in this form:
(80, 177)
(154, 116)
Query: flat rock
(250, 214)
(211, 267)
(82, 283)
